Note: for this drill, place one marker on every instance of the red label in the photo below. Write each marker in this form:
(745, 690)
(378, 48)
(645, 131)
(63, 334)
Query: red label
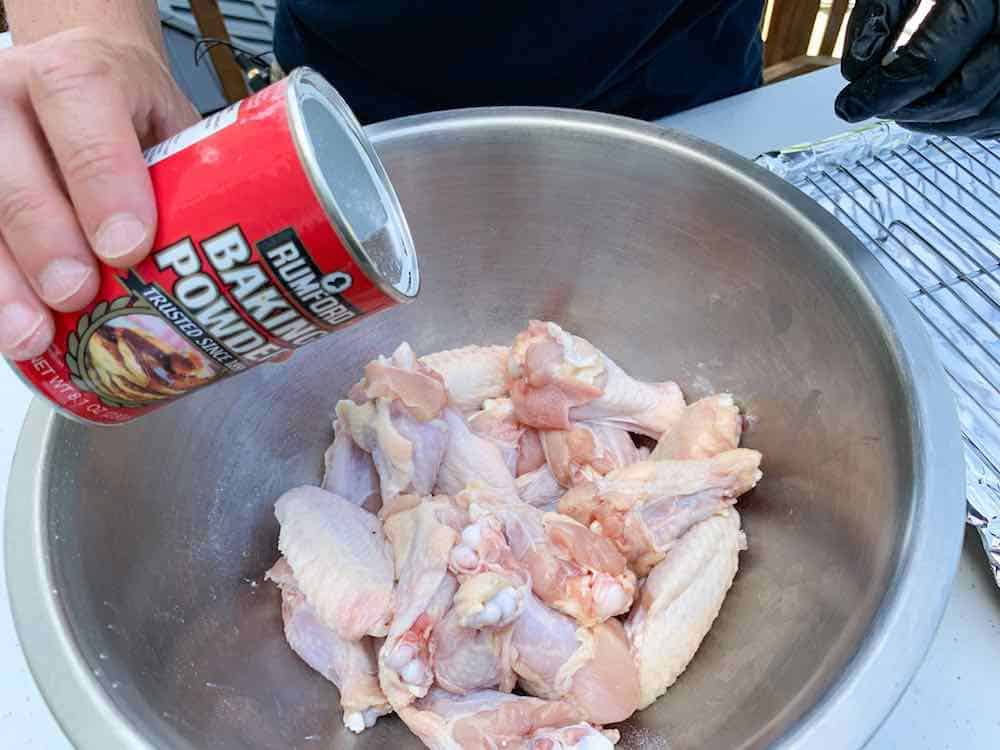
(246, 265)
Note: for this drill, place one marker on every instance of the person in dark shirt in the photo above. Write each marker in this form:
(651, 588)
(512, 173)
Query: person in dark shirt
(88, 85)
(639, 58)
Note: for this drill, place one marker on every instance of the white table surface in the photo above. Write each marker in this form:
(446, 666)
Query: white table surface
(952, 701)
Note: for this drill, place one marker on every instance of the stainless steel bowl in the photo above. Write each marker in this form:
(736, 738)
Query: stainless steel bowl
(136, 555)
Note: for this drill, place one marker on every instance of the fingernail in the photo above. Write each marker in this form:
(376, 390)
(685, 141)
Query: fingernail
(24, 331)
(119, 235)
(62, 278)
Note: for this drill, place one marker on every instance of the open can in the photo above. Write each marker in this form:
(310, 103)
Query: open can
(276, 225)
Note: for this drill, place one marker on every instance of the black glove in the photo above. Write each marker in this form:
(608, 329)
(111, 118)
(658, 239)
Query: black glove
(945, 80)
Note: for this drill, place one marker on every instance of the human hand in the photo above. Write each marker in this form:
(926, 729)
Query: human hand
(76, 110)
(945, 80)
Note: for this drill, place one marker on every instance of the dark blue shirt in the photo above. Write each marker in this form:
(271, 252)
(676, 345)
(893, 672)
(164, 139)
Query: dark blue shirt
(390, 58)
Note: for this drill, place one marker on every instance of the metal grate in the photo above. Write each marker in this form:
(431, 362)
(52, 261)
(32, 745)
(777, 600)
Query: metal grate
(929, 210)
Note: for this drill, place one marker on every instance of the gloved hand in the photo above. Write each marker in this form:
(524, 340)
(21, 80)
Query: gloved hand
(945, 80)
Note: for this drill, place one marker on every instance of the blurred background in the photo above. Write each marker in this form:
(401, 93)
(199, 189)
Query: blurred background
(233, 56)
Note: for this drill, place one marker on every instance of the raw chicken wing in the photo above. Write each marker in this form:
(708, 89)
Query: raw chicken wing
(571, 568)
(340, 560)
(576, 737)
(420, 389)
(556, 376)
(681, 599)
(488, 720)
(530, 453)
(350, 665)
(407, 452)
(599, 448)
(470, 458)
(471, 374)
(467, 659)
(491, 599)
(393, 415)
(422, 538)
(706, 428)
(591, 668)
(350, 472)
(540, 488)
(496, 422)
(646, 507)
(494, 585)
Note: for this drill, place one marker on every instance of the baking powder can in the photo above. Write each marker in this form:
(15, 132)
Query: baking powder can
(276, 225)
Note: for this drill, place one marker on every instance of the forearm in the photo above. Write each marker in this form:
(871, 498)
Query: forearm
(30, 20)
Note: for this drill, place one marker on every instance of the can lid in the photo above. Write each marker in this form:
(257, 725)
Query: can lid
(352, 184)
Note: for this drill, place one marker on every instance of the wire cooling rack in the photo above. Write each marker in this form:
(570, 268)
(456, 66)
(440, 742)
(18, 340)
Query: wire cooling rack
(929, 209)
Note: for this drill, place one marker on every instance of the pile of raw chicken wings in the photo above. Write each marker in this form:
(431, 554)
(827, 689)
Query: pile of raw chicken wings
(513, 546)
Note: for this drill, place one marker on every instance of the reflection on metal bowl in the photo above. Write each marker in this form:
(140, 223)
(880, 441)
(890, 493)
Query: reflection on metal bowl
(136, 556)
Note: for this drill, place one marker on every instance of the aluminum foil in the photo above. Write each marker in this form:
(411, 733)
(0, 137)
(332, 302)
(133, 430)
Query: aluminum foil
(984, 515)
(929, 209)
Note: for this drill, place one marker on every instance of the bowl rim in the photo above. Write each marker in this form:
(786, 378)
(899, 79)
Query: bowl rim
(845, 715)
